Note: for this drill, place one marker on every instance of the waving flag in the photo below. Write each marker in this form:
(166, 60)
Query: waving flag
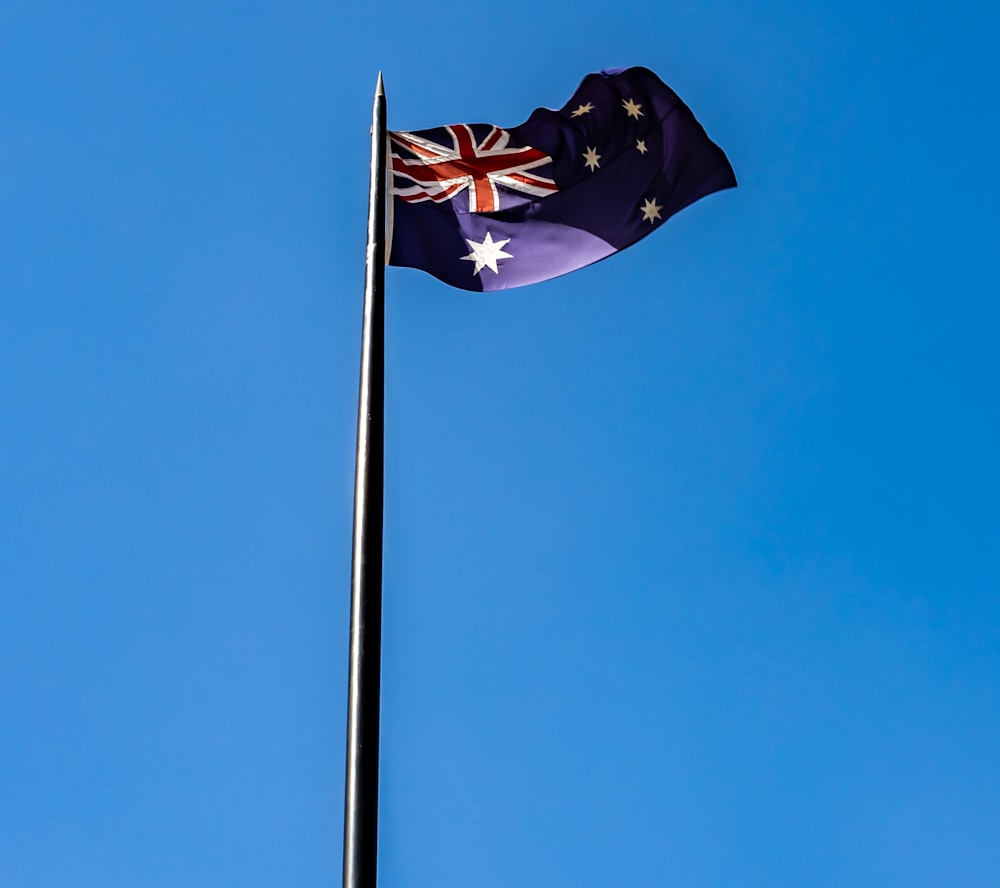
(485, 208)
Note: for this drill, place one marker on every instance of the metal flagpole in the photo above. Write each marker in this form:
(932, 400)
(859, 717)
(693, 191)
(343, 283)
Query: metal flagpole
(361, 781)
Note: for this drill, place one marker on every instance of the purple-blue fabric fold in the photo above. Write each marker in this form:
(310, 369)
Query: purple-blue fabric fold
(485, 208)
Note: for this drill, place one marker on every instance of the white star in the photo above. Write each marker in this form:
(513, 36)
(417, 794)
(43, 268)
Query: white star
(633, 109)
(650, 211)
(583, 109)
(485, 255)
(640, 145)
(590, 159)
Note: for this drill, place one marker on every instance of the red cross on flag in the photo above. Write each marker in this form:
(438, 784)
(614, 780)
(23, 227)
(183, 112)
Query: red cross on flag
(439, 172)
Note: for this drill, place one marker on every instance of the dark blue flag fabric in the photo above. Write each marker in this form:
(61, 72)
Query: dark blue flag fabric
(485, 208)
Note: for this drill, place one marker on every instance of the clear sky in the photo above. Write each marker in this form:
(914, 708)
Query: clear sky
(691, 571)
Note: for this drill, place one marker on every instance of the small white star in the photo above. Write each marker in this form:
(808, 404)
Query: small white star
(590, 159)
(485, 255)
(632, 108)
(640, 145)
(650, 211)
(583, 109)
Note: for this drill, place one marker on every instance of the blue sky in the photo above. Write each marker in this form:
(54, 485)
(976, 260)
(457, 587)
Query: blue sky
(690, 557)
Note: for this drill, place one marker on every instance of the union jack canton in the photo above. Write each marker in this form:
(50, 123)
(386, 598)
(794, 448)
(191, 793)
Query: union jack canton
(476, 165)
(485, 208)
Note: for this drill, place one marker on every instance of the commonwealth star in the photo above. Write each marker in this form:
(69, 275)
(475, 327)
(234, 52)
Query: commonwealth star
(485, 255)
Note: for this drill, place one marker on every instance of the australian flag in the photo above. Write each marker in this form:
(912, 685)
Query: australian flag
(485, 208)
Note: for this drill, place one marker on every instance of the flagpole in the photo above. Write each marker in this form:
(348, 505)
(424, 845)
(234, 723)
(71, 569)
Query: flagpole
(361, 777)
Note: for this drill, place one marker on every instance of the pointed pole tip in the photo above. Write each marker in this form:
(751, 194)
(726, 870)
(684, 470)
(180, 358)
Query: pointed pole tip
(379, 89)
